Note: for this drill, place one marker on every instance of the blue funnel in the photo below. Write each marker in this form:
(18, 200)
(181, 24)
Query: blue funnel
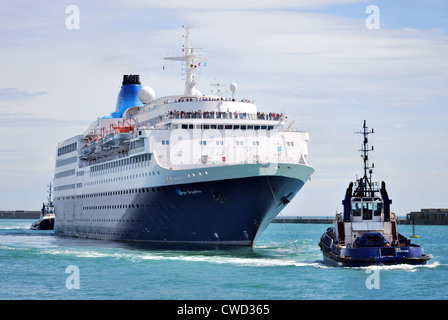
(128, 96)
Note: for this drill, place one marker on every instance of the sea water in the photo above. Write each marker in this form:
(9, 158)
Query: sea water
(285, 264)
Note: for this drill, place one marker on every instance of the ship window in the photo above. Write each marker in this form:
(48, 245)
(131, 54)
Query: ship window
(263, 127)
(235, 127)
(377, 206)
(220, 126)
(228, 127)
(184, 126)
(256, 127)
(367, 209)
(190, 126)
(213, 126)
(356, 209)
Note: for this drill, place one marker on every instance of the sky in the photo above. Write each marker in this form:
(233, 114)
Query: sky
(327, 64)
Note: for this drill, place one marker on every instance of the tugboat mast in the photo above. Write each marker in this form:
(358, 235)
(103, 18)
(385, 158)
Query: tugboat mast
(365, 185)
(49, 193)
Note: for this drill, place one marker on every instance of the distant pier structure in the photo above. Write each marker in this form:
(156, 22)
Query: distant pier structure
(19, 214)
(318, 220)
(428, 217)
(423, 217)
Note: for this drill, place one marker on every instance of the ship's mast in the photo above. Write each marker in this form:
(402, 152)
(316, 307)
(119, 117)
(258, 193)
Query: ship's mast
(191, 63)
(365, 185)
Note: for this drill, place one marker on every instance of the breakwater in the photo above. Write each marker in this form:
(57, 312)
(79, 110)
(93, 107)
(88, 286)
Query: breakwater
(429, 220)
(428, 217)
(19, 214)
(317, 220)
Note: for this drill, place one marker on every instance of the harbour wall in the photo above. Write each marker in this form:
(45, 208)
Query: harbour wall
(417, 219)
(318, 220)
(428, 217)
(423, 217)
(19, 214)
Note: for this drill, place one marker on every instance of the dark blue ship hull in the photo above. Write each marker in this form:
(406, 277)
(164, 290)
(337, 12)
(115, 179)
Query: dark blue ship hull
(228, 212)
(366, 256)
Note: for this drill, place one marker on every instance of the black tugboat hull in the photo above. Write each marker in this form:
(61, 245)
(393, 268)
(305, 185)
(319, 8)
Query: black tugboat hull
(47, 224)
(43, 224)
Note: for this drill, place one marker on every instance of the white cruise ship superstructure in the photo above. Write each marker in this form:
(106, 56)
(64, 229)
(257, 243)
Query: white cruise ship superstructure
(190, 168)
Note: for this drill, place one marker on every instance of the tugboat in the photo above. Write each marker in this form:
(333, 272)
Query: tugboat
(46, 221)
(366, 232)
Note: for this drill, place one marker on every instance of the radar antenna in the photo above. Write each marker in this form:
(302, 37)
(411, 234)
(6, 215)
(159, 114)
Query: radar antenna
(49, 192)
(218, 87)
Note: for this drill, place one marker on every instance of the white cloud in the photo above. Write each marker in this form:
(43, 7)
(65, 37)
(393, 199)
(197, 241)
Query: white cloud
(234, 4)
(13, 94)
(400, 125)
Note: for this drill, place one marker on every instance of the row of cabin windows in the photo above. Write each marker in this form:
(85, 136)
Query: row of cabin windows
(120, 163)
(63, 174)
(122, 178)
(65, 187)
(113, 193)
(66, 149)
(367, 208)
(116, 206)
(221, 143)
(226, 126)
(130, 177)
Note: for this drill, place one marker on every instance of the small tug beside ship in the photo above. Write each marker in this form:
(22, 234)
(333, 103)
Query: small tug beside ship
(366, 232)
(46, 221)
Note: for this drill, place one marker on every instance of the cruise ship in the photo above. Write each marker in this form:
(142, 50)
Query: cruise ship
(190, 168)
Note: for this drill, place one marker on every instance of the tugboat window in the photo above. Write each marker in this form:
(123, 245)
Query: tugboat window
(377, 206)
(367, 208)
(356, 209)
